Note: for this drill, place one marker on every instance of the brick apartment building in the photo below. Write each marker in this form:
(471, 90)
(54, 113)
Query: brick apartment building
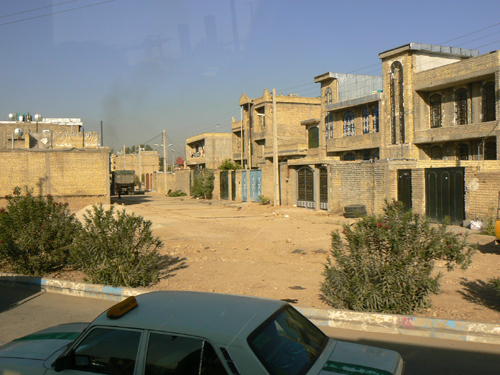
(424, 133)
(53, 156)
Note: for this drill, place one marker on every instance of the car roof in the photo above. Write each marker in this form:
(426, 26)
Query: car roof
(222, 318)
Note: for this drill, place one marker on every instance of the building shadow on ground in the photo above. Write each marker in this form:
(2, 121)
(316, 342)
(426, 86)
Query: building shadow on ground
(481, 292)
(489, 248)
(12, 296)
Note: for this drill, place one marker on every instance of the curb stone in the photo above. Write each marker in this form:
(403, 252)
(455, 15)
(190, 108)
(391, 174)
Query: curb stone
(372, 322)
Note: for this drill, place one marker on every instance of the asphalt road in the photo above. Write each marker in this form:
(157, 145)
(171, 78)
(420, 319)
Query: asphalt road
(25, 311)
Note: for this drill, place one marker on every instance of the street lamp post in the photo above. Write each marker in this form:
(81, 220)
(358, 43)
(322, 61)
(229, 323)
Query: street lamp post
(173, 160)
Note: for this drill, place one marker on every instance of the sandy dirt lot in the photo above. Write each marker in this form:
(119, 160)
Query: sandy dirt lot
(280, 252)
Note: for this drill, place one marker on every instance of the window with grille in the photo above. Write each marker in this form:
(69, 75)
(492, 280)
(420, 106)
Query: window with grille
(366, 121)
(437, 153)
(461, 104)
(489, 113)
(397, 103)
(329, 125)
(375, 120)
(328, 96)
(348, 124)
(435, 104)
(349, 156)
(490, 150)
(463, 151)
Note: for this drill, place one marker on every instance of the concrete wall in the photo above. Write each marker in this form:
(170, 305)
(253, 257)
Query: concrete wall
(78, 176)
(359, 182)
(180, 180)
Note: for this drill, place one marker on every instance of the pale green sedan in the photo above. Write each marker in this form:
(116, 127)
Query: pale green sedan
(171, 333)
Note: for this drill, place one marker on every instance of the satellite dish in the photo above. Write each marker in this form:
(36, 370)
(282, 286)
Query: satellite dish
(38, 117)
(18, 132)
(12, 116)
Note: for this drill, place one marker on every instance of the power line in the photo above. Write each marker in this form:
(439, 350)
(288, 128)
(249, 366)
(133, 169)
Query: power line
(35, 9)
(474, 32)
(61, 11)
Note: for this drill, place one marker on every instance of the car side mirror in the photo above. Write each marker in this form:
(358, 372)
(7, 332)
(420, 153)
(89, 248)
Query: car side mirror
(64, 362)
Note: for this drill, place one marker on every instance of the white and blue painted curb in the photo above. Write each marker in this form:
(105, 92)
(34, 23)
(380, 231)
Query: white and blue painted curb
(371, 322)
(69, 287)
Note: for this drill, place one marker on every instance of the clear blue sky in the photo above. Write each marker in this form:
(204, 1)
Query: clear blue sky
(143, 66)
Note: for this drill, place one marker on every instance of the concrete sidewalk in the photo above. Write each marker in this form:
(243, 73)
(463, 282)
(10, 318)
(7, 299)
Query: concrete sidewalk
(372, 322)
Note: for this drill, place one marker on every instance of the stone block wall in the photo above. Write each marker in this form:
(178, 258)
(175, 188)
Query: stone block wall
(79, 177)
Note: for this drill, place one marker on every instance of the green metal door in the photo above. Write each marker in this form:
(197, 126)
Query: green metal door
(404, 188)
(444, 193)
(224, 185)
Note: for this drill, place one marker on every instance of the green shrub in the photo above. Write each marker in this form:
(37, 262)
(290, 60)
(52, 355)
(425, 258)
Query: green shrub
(176, 193)
(118, 249)
(35, 233)
(264, 200)
(489, 223)
(228, 164)
(203, 184)
(386, 263)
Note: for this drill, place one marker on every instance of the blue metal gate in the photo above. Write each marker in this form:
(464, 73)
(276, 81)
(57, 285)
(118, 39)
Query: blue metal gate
(255, 185)
(244, 186)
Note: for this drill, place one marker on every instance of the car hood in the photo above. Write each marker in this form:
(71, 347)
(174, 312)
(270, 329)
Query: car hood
(355, 359)
(41, 345)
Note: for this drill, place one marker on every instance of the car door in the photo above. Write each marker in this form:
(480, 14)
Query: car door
(103, 350)
(174, 354)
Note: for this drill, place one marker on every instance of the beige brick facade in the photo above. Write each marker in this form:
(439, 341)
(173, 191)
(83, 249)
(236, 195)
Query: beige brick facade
(208, 150)
(79, 177)
(145, 164)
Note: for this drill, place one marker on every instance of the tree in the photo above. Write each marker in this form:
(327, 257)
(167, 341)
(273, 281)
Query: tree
(148, 148)
(386, 263)
(203, 184)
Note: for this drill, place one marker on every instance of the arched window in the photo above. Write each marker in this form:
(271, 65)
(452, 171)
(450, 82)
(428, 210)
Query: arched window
(366, 121)
(348, 124)
(376, 155)
(366, 155)
(375, 120)
(489, 112)
(329, 125)
(349, 156)
(437, 153)
(435, 104)
(328, 96)
(397, 104)
(461, 105)
(463, 151)
(490, 150)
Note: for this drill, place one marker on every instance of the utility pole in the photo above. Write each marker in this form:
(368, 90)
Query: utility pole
(165, 159)
(277, 198)
(140, 169)
(124, 164)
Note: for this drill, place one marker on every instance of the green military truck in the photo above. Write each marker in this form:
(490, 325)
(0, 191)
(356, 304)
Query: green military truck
(122, 182)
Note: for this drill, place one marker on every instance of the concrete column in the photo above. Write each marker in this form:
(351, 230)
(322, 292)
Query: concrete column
(317, 198)
(293, 182)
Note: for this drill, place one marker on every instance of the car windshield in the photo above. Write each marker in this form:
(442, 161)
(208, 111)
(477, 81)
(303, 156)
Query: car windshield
(287, 343)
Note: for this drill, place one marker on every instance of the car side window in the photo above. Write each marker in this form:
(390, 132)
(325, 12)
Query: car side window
(176, 355)
(108, 351)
